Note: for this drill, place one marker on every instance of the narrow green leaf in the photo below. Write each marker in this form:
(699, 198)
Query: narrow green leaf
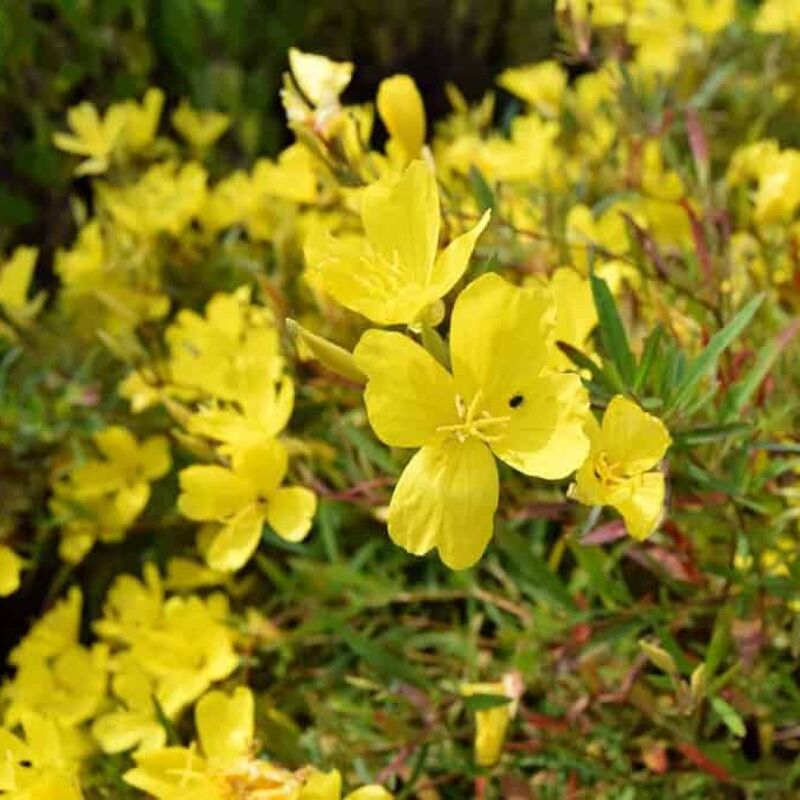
(391, 666)
(711, 433)
(720, 642)
(701, 366)
(651, 348)
(740, 394)
(582, 361)
(612, 332)
(729, 716)
(435, 345)
(483, 702)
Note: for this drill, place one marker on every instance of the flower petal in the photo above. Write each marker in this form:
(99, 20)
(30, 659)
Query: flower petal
(155, 456)
(10, 567)
(500, 335)
(401, 219)
(262, 465)
(403, 113)
(632, 437)
(642, 510)
(546, 434)
(409, 394)
(236, 541)
(446, 498)
(211, 492)
(290, 511)
(225, 725)
(454, 259)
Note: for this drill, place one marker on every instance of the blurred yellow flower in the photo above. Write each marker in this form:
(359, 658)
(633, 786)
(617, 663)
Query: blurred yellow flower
(199, 127)
(403, 113)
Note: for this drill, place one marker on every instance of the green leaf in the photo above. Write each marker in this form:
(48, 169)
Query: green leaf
(651, 347)
(711, 433)
(389, 665)
(483, 702)
(484, 196)
(612, 332)
(704, 364)
(729, 716)
(740, 394)
(720, 642)
(435, 345)
(582, 361)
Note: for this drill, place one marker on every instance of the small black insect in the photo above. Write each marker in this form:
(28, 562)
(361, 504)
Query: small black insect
(516, 401)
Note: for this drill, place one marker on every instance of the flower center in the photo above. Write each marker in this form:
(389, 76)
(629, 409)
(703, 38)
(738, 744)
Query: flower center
(609, 474)
(475, 421)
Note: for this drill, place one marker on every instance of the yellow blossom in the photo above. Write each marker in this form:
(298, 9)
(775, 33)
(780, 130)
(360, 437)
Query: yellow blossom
(223, 766)
(620, 470)
(55, 674)
(491, 724)
(94, 137)
(540, 85)
(16, 275)
(200, 128)
(320, 82)
(183, 644)
(328, 786)
(38, 764)
(242, 498)
(10, 568)
(403, 113)
(394, 274)
(503, 398)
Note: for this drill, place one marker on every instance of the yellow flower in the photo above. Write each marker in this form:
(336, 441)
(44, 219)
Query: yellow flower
(93, 137)
(403, 113)
(183, 644)
(15, 280)
(778, 16)
(227, 353)
(134, 723)
(320, 82)
(395, 274)
(200, 128)
(141, 121)
(503, 398)
(222, 767)
(491, 724)
(576, 315)
(164, 199)
(710, 16)
(540, 85)
(241, 498)
(620, 470)
(328, 786)
(10, 568)
(40, 764)
(102, 497)
(657, 28)
(56, 675)
(778, 193)
(262, 411)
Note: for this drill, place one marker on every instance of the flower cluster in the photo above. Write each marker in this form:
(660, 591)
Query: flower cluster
(542, 339)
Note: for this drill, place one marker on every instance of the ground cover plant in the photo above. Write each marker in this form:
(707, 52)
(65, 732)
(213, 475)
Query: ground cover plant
(451, 460)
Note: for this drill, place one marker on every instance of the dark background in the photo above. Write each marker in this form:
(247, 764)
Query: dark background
(226, 54)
